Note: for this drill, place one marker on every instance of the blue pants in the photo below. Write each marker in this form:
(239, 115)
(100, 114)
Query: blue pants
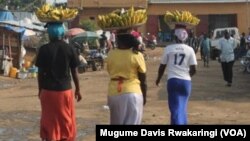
(179, 91)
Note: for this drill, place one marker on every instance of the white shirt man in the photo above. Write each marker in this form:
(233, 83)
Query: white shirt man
(227, 46)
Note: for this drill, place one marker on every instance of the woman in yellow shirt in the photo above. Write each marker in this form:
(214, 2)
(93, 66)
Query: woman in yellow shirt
(127, 87)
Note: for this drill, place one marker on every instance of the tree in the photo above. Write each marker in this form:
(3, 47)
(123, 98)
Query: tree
(88, 25)
(3, 3)
(27, 5)
(16, 3)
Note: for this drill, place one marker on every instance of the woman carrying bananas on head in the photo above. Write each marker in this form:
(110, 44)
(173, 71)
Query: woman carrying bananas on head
(181, 61)
(57, 61)
(127, 87)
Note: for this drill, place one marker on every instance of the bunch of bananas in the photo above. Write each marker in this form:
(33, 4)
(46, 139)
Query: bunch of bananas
(181, 16)
(48, 13)
(123, 18)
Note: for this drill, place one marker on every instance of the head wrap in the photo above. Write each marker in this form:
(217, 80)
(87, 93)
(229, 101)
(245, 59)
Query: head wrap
(55, 30)
(181, 34)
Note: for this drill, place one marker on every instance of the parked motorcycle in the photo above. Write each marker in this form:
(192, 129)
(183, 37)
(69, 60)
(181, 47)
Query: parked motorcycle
(151, 44)
(245, 62)
(150, 41)
(94, 58)
(95, 61)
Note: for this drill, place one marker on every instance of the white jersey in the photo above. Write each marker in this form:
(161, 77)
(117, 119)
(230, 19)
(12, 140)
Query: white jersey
(178, 58)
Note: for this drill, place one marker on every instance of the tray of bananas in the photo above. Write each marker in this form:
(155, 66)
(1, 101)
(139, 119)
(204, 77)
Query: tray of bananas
(123, 27)
(181, 18)
(122, 19)
(49, 13)
(180, 24)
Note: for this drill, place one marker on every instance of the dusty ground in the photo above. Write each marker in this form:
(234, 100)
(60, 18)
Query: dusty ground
(210, 103)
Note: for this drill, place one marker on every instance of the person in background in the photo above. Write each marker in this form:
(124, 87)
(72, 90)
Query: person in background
(127, 87)
(113, 39)
(57, 61)
(248, 52)
(193, 41)
(103, 41)
(154, 39)
(85, 48)
(226, 47)
(205, 46)
(242, 49)
(142, 46)
(181, 61)
(160, 36)
(201, 37)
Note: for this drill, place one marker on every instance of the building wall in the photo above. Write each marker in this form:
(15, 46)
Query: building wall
(91, 8)
(107, 3)
(152, 25)
(202, 27)
(240, 9)
(88, 13)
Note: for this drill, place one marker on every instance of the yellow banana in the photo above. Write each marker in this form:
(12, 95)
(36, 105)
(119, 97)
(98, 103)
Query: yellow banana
(46, 7)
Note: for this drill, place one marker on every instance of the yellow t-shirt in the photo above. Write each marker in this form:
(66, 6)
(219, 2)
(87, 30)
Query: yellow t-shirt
(125, 64)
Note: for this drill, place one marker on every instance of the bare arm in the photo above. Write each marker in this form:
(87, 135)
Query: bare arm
(143, 84)
(160, 73)
(39, 80)
(192, 70)
(74, 73)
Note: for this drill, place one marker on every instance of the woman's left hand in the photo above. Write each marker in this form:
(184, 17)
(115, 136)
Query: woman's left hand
(144, 101)
(78, 96)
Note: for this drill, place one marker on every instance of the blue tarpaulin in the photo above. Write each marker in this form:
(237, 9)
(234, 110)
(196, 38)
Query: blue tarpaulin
(8, 22)
(6, 16)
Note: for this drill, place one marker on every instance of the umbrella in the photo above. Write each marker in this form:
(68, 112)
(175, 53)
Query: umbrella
(85, 36)
(74, 31)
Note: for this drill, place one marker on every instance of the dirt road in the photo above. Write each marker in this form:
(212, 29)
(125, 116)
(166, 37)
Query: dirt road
(211, 101)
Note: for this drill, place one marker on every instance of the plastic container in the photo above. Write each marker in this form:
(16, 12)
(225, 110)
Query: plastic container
(22, 75)
(13, 72)
(27, 64)
(33, 75)
(33, 69)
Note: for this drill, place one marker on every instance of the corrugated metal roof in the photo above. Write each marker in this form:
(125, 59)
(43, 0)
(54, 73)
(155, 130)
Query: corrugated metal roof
(197, 1)
(21, 24)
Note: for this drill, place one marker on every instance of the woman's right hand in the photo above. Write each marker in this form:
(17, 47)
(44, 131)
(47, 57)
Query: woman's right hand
(157, 82)
(39, 94)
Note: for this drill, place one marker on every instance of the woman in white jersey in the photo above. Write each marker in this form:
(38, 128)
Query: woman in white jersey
(181, 64)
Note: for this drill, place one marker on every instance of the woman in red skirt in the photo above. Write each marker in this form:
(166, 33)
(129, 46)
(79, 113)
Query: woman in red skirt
(57, 62)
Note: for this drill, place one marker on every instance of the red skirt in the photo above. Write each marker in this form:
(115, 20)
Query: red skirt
(58, 115)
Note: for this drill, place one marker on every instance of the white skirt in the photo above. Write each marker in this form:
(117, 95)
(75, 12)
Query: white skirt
(126, 109)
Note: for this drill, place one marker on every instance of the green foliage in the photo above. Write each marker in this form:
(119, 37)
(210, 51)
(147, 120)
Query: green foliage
(26, 5)
(88, 25)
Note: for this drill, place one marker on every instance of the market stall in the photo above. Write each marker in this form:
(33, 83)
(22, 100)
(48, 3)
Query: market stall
(10, 43)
